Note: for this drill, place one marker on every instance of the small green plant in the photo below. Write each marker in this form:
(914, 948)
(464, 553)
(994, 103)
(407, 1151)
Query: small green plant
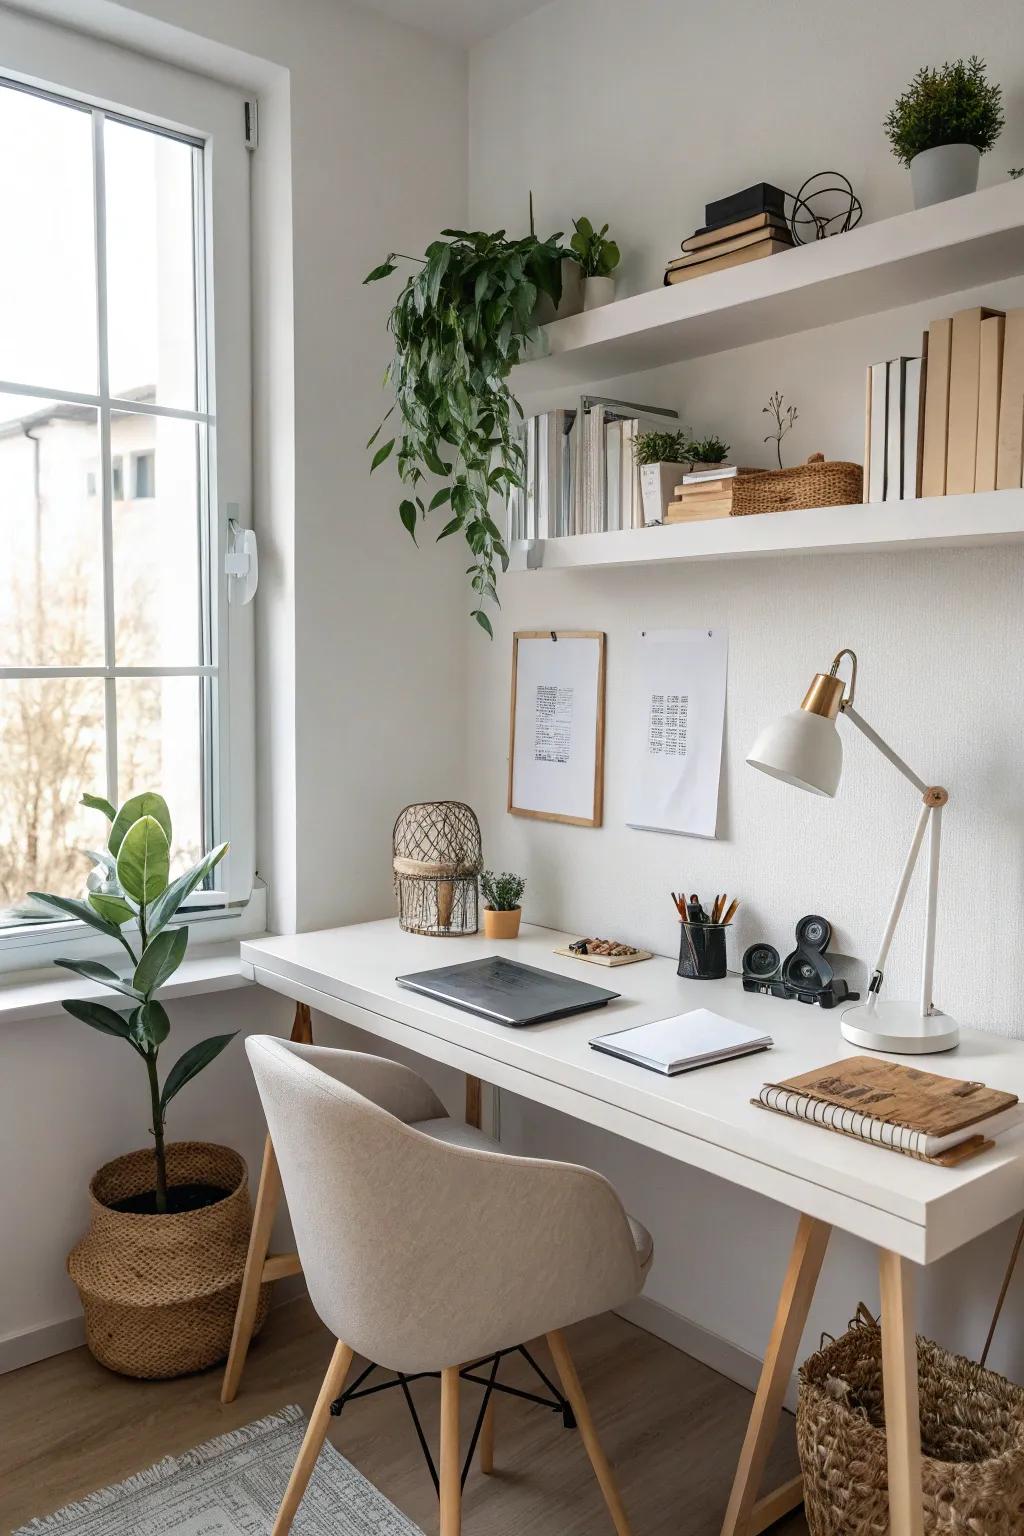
(1015, 172)
(661, 448)
(502, 893)
(954, 104)
(707, 450)
(784, 417)
(136, 889)
(597, 256)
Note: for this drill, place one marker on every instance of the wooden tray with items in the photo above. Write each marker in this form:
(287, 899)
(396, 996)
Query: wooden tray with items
(604, 952)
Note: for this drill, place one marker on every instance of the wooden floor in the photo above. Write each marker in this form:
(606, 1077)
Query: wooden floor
(671, 1427)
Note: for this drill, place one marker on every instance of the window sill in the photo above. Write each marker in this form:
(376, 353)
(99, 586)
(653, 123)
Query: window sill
(38, 994)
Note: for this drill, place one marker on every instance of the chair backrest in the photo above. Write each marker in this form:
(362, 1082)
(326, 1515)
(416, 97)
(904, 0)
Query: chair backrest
(419, 1254)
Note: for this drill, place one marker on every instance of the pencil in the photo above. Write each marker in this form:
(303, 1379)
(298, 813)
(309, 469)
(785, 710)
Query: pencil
(732, 911)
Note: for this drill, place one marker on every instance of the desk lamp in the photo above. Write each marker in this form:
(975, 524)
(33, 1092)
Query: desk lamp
(804, 748)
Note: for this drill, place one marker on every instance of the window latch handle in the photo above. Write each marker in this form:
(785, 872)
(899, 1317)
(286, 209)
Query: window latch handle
(241, 563)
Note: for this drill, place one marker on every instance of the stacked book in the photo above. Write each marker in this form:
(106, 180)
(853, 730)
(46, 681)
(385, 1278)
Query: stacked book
(580, 471)
(940, 1119)
(894, 429)
(738, 229)
(705, 492)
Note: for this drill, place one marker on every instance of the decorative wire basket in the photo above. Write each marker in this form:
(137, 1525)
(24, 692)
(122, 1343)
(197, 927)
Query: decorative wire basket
(438, 856)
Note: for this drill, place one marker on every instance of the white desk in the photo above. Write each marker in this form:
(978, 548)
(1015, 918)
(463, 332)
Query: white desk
(913, 1212)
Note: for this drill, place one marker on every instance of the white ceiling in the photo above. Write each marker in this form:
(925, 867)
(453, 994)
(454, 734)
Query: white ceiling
(462, 21)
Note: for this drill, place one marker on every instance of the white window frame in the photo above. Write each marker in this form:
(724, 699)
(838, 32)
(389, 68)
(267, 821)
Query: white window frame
(112, 82)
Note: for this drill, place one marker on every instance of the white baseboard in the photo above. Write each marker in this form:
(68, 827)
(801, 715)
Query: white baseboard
(18, 1349)
(699, 1343)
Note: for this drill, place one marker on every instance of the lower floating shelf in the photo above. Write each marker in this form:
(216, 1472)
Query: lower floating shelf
(933, 522)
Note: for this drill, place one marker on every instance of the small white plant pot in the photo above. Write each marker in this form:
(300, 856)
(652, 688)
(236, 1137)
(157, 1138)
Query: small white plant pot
(598, 291)
(571, 302)
(658, 487)
(948, 170)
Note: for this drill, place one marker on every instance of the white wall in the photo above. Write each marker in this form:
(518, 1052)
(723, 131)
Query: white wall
(639, 117)
(360, 663)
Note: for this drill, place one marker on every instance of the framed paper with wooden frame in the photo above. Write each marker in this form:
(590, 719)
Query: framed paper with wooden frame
(556, 726)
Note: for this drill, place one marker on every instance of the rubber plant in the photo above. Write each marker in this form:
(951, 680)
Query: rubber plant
(460, 325)
(131, 893)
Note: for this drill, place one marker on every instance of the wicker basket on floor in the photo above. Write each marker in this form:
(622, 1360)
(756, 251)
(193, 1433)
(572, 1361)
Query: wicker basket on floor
(820, 482)
(972, 1441)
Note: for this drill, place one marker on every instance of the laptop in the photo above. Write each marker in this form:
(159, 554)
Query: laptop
(507, 991)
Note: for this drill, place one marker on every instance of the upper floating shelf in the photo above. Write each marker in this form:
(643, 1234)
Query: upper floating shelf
(959, 244)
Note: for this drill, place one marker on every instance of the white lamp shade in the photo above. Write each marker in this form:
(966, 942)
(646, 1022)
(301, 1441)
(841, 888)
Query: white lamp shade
(802, 749)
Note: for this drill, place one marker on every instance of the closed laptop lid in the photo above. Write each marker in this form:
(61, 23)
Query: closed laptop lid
(507, 990)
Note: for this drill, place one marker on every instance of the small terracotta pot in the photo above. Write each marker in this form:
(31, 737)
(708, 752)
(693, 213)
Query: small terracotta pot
(502, 925)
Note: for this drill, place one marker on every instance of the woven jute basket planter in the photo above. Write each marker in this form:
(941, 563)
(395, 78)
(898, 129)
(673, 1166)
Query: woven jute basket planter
(160, 1292)
(972, 1442)
(820, 482)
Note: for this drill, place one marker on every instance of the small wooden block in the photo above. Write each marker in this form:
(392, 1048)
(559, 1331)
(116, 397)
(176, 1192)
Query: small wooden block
(641, 954)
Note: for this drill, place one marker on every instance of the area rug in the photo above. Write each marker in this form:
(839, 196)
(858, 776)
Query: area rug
(232, 1486)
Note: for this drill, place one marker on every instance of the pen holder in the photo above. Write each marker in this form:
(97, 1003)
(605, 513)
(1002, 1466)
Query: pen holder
(702, 951)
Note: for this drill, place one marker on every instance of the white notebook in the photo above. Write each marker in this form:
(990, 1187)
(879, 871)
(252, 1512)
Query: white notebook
(684, 1042)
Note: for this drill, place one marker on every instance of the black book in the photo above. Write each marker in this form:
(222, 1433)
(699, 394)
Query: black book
(762, 198)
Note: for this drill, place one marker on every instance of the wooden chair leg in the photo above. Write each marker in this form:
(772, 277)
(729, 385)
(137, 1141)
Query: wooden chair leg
(257, 1270)
(795, 1299)
(486, 1442)
(316, 1434)
(451, 1469)
(899, 1379)
(588, 1433)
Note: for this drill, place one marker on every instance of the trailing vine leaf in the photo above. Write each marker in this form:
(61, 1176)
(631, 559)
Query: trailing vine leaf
(98, 803)
(460, 325)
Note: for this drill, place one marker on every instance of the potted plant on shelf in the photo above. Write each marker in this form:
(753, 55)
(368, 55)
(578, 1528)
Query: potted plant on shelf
(503, 912)
(598, 257)
(941, 125)
(460, 324)
(160, 1268)
(663, 458)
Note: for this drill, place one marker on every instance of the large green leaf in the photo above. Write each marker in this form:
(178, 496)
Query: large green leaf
(147, 804)
(191, 1064)
(150, 1025)
(70, 907)
(99, 1017)
(160, 959)
(113, 908)
(143, 860)
(167, 904)
(93, 970)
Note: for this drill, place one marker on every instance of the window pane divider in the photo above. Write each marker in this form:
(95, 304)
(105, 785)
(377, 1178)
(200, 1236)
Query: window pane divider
(112, 674)
(112, 402)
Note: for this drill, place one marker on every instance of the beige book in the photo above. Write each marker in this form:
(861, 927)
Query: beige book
(686, 512)
(964, 384)
(733, 259)
(1010, 454)
(989, 383)
(727, 231)
(723, 247)
(936, 409)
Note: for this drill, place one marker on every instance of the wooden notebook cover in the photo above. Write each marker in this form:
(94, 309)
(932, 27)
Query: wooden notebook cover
(905, 1096)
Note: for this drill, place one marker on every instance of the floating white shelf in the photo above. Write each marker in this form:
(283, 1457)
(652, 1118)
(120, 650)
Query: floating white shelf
(934, 522)
(963, 243)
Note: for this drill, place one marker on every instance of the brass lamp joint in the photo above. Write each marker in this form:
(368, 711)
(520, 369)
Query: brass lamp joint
(825, 695)
(935, 795)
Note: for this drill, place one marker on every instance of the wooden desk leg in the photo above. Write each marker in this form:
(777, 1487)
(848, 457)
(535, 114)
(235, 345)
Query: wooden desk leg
(902, 1416)
(259, 1269)
(474, 1100)
(791, 1315)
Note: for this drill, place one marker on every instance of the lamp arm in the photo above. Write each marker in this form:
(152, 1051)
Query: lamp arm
(934, 798)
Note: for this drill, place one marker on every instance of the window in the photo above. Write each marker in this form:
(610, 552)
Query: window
(116, 643)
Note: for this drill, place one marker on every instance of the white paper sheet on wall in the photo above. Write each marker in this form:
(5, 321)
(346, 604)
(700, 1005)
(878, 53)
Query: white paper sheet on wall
(557, 711)
(677, 727)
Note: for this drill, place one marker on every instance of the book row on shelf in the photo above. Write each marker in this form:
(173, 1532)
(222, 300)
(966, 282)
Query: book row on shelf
(950, 421)
(580, 471)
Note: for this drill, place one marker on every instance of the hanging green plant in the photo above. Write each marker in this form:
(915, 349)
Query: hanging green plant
(460, 325)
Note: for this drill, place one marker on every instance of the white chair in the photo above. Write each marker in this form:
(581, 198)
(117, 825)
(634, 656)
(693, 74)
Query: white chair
(424, 1246)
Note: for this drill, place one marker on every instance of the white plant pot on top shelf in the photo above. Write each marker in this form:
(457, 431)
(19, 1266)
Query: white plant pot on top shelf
(598, 291)
(658, 487)
(948, 170)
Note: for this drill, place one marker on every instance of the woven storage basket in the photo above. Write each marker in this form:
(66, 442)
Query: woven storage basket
(160, 1292)
(972, 1441)
(820, 482)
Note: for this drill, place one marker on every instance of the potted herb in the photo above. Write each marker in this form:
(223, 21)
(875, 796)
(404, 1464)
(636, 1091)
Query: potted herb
(706, 452)
(502, 895)
(598, 257)
(460, 325)
(941, 125)
(663, 458)
(160, 1269)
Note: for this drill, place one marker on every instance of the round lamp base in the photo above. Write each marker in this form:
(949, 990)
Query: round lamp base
(899, 1028)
